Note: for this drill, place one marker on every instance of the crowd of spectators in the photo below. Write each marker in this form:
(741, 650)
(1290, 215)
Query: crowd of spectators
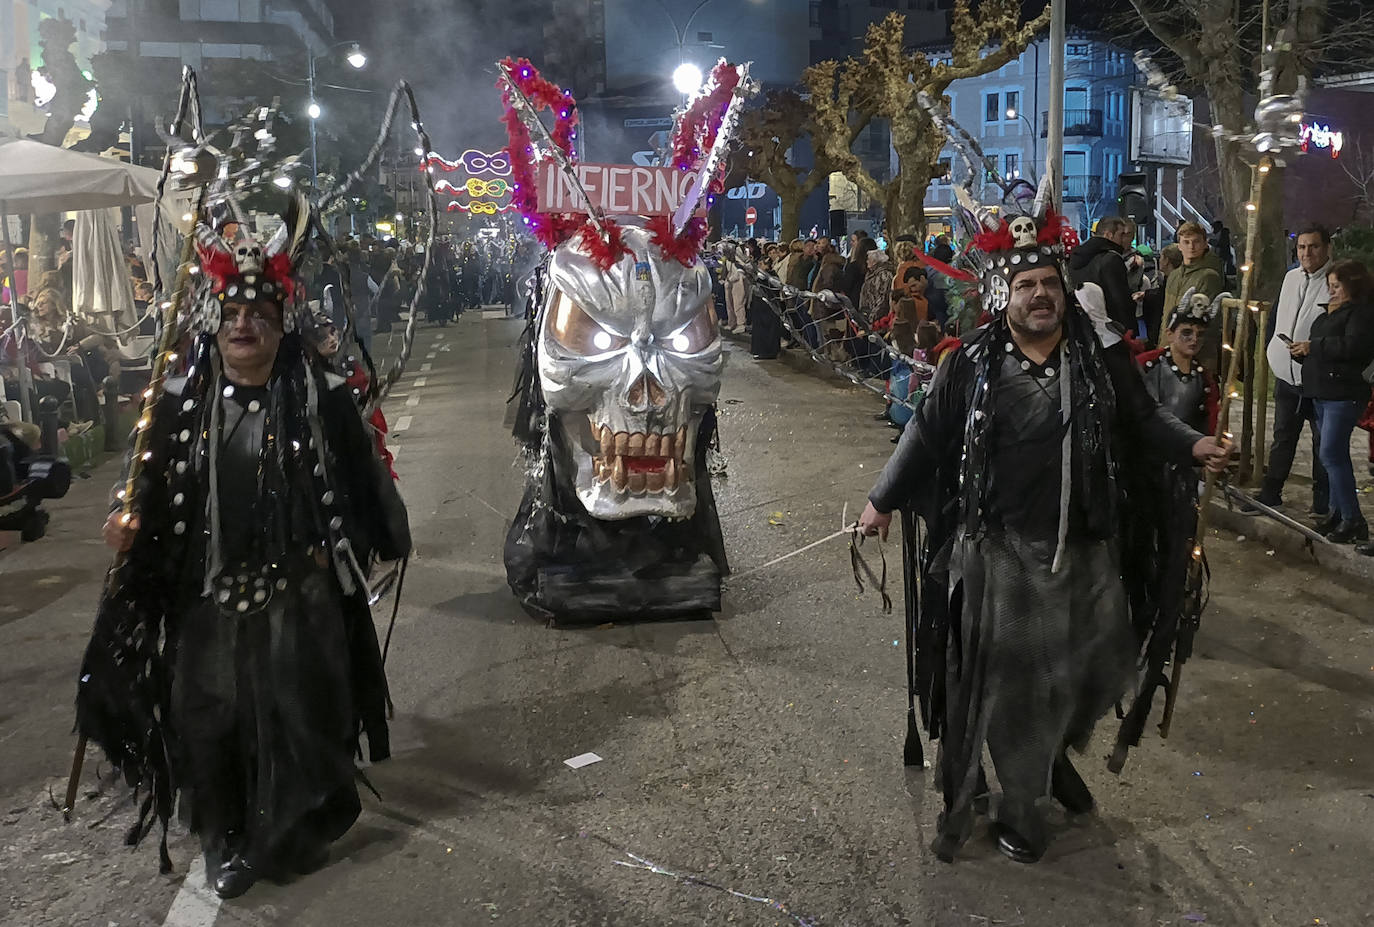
(1320, 346)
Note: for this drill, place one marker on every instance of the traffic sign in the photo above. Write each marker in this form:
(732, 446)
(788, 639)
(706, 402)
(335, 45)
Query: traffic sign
(751, 215)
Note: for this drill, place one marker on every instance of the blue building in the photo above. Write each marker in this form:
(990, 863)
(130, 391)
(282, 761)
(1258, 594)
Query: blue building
(1008, 111)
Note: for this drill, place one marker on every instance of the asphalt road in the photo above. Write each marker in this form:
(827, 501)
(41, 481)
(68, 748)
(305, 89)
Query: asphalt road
(759, 751)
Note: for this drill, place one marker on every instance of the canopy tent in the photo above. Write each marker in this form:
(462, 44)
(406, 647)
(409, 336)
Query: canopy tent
(37, 178)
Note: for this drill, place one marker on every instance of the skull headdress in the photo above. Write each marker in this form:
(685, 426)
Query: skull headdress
(1196, 308)
(244, 270)
(1003, 248)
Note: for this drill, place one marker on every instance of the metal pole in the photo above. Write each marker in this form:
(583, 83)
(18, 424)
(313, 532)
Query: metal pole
(1260, 374)
(314, 157)
(1054, 148)
(1035, 108)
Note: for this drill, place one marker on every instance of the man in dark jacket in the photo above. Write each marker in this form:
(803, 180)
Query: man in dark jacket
(1100, 260)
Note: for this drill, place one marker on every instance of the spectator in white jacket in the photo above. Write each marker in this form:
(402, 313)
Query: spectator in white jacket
(1300, 301)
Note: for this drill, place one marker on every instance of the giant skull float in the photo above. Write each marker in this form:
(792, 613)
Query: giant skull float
(629, 361)
(621, 367)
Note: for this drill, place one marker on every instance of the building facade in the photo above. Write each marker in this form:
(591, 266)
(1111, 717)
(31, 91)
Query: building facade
(1008, 111)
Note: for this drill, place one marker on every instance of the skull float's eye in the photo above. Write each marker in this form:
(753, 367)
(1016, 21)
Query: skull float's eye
(580, 333)
(693, 337)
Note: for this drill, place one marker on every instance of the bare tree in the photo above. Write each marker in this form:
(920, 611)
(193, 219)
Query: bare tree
(1358, 163)
(768, 136)
(883, 83)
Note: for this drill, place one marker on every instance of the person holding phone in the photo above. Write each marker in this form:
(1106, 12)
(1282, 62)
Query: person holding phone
(1303, 291)
(1339, 346)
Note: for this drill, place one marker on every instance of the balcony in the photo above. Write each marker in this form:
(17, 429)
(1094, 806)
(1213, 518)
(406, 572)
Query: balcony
(1082, 188)
(1082, 123)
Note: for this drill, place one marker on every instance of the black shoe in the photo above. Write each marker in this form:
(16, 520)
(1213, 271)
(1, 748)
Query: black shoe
(881, 417)
(1367, 549)
(1349, 530)
(1068, 787)
(897, 438)
(1327, 524)
(234, 878)
(1272, 502)
(1011, 845)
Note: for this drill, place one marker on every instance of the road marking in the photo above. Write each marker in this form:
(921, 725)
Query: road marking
(431, 355)
(439, 336)
(426, 368)
(413, 401)
(419, 382)
(195, 905)
(402, 423)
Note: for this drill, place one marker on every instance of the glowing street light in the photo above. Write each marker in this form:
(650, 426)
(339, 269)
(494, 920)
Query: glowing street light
(313, 110)
(356, 59)
(687, 78)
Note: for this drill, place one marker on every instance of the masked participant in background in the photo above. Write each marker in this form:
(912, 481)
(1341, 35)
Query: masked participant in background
(620, 370)
(1016, 460)
(235, 661)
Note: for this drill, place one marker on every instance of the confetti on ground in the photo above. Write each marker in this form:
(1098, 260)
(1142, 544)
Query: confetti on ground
(582, 759)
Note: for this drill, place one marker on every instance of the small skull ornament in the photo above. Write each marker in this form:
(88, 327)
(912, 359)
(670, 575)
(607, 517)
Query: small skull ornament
(248, 256)
(629, 360)
(1023, 231)
(1199, 306)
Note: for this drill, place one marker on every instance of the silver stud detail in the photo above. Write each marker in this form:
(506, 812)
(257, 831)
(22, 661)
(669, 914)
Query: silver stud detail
(188, 405)
(181, 466)
(259, 596)
(184, 436)
(254, 406)
(335, 523)
(328, 497)
(178, 498)
(242, 606)
(228, 392)
(179, 528)
(281, 583)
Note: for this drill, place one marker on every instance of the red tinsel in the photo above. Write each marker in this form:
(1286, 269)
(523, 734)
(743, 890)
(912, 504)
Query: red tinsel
(551, 229)
(604, 252)
(218, 266)
(1052, 231)
(278, 269)
(682, 248)
(696, 131)
(991, 242)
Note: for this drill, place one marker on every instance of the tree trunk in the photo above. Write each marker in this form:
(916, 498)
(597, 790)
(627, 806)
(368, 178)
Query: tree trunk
(44, 233)
(792, 202)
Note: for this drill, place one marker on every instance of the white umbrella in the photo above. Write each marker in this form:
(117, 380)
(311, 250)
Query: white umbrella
(38, 178)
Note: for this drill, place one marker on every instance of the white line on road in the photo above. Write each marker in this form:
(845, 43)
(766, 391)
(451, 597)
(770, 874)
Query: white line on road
(426, 368)
(439, 337)
(195, 905)
(419, 382)
(413, 401)
(402, 423)
(431, 355)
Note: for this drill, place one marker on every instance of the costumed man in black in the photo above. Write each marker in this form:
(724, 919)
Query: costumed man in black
(260, 507)
(1172, 374)
(1014, 459)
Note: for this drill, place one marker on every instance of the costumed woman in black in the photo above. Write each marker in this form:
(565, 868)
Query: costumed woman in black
(260, 507)
(1014, 459)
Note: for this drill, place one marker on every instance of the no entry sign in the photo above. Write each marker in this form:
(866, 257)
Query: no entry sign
(751, 215)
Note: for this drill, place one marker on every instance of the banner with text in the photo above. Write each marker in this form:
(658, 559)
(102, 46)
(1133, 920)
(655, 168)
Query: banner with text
(617, 189)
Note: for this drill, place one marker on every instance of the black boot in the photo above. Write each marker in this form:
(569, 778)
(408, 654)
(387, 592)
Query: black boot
(1068, 787)
(1014, 847)
(1367, 549)
(235, 877)
(1328, 524)
(1352, 529)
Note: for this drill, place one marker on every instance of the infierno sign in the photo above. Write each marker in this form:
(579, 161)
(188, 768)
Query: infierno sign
(615, 189)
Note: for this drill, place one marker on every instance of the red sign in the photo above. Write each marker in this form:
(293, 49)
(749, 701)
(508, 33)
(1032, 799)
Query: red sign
(616, 189)
(751, 215)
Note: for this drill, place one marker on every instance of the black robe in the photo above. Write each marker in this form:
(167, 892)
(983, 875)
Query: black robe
(240, 666)
(1011, 653)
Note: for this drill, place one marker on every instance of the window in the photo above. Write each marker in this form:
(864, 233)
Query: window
(942, 170)
(1012, 168)
(1079, 49)
(705, 37)
(815, 14)
(1013, 104)
(993, 112)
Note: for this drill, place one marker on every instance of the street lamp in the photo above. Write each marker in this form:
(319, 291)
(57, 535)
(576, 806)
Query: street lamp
(687, 78)
(1013, 114)
(356, 59)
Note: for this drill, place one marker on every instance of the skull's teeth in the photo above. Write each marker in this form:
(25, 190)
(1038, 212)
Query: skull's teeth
(672, 444)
